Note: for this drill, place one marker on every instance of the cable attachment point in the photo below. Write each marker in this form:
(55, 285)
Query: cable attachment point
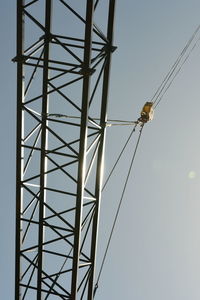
(147, 113)
(95, 289)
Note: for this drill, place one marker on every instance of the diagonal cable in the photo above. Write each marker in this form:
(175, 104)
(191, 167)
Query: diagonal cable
(118, 210)
(122, 151)
(165, 84)
(177, 72)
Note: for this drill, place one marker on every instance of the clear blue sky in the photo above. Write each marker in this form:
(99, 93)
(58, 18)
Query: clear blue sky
(155, 252)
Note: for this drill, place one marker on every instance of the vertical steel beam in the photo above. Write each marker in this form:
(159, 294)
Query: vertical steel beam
(100, 160)
(43, 160)
(83, 144)
(19, 152)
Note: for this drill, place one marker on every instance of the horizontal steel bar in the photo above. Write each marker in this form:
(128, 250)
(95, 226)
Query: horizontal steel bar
(25, 184)
(50, 151)
(59, 191)
(52, 61)
(52, 68)
(63, 122)
(78, 40)
(57, 254)
(46, 224)
(77, 46)
(63, 296)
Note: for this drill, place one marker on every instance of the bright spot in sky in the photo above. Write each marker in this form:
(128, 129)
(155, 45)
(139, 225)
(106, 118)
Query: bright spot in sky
(191, 174)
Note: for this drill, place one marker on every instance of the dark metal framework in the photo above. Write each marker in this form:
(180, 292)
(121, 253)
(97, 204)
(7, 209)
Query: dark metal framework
(63, 65)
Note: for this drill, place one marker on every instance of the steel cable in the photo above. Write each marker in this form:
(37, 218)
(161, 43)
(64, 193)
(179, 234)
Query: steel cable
(176, 73)
(119, 156)
(175, 69)
(117, 212)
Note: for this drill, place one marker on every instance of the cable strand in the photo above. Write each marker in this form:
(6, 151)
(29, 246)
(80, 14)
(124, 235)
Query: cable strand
(118, 210)
(161, 88)
(122, 151)
(177, 72)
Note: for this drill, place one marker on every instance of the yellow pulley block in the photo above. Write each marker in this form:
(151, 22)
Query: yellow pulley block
(146, 113)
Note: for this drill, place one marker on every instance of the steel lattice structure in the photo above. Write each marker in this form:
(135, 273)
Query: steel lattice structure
(63, 65)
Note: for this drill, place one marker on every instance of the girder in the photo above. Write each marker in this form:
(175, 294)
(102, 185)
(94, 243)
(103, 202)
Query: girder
(63, 67)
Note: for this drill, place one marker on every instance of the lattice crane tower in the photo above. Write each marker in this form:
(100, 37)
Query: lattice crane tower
(63, 67)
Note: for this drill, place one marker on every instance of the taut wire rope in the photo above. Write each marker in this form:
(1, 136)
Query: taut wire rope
(119, 156)
(118, 210)
(175, 69)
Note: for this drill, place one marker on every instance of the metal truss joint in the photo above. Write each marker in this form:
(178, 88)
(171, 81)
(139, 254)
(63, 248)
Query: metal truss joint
(87, 71)
(19, 58)
(109, 48)
(48, 37)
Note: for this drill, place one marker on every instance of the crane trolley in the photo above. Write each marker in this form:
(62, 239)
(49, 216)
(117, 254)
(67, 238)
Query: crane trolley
(146, 113)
